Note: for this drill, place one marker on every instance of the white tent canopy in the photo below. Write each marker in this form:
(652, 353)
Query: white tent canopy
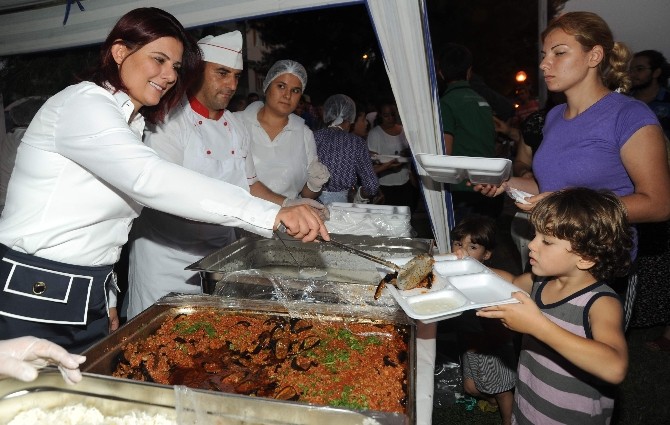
(42, 29)
(401, 27)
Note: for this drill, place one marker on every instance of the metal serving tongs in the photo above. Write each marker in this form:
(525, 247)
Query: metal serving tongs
(409, 276)
(363, 254)
(360, 253)
(276, 232)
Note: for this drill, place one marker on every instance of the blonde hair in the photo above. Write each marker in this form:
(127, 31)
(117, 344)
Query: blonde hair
(591, 30)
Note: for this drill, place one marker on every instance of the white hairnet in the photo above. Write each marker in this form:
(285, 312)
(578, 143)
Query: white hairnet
(338, 108)
(285, 66)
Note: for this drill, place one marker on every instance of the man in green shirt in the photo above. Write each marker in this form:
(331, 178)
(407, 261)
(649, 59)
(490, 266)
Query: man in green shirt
(467, 122)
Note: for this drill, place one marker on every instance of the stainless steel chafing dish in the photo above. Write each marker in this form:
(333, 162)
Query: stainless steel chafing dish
(275, 256)
(118, 397)
(110, 395)
(104, 356)
(246, 275)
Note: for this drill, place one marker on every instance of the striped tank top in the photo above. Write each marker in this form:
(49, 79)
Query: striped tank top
(551, 390)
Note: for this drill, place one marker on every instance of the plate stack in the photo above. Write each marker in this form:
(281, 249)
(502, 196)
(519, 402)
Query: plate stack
(371, 220)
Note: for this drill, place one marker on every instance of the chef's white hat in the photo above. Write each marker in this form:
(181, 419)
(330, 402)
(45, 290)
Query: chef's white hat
(224, 49)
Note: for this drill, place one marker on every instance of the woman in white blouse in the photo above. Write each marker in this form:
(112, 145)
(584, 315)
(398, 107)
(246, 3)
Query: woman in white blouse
(82, 174)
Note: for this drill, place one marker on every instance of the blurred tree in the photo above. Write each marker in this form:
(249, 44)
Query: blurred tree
(503, 37)
(337, 46)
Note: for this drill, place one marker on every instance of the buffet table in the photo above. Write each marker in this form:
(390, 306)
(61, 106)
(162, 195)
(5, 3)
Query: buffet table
(253, 276)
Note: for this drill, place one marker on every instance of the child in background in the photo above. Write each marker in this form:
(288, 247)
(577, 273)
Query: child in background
(573, 351)
(489, 360)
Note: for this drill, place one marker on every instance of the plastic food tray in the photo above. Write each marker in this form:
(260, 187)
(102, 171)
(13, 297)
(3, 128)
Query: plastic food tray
(369, 219)
(395, 211)
(458, 285)
(454, 169)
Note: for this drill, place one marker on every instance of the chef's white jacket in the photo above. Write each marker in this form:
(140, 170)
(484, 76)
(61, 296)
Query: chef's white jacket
(82, 174)
(164, 245)
(281, 163)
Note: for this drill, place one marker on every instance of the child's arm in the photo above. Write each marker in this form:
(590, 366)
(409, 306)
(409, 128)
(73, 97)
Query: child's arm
(522, 281)
(605, 356)
(504, 274)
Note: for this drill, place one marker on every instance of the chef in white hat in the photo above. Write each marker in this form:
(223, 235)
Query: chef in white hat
(202, 135)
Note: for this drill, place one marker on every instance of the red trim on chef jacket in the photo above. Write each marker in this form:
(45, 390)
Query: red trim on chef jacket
(200, 109)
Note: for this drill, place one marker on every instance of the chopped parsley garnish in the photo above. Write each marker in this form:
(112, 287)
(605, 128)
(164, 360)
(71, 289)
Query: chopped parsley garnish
(349, 400)
(185, 328)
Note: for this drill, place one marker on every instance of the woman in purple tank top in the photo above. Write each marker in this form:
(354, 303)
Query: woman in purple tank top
(599, 138)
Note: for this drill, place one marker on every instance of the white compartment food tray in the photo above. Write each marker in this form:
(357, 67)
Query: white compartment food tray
(454, 169)
(458, 285)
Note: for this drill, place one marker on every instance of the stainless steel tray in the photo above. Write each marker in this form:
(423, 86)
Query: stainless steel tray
(103, 357)
(109, 395)
(279, 257)
(117, 397)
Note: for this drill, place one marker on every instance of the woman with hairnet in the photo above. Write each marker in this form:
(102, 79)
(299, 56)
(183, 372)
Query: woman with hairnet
(345, 154)
(282, 146)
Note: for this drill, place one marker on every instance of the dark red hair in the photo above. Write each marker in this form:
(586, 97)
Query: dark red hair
(136, 29)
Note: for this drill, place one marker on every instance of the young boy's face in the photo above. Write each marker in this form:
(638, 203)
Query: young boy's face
(471, 249)
(551, 256)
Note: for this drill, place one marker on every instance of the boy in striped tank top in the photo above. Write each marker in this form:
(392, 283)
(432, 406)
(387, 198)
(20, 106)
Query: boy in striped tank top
(574, 350)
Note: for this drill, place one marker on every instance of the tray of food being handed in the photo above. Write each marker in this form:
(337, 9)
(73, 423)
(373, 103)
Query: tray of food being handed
(453, 286)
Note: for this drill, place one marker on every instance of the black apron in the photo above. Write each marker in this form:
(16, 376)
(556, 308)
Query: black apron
(63, 303)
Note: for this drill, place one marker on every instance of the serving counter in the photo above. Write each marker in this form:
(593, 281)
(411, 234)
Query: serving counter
(256, 275)
(119, 397)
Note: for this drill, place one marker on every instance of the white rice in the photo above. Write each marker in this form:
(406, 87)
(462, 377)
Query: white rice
(79, 414)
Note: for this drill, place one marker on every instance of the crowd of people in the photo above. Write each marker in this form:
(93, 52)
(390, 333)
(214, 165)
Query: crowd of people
(156, 135)
(83, 161)
(592, 133)
(602, 137)
(157, 126)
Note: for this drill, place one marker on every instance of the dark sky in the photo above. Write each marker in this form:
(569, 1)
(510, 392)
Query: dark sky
(331, 41)
(502, 36)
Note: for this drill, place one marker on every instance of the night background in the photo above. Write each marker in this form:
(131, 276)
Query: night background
(331, 43)
(503, 37)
